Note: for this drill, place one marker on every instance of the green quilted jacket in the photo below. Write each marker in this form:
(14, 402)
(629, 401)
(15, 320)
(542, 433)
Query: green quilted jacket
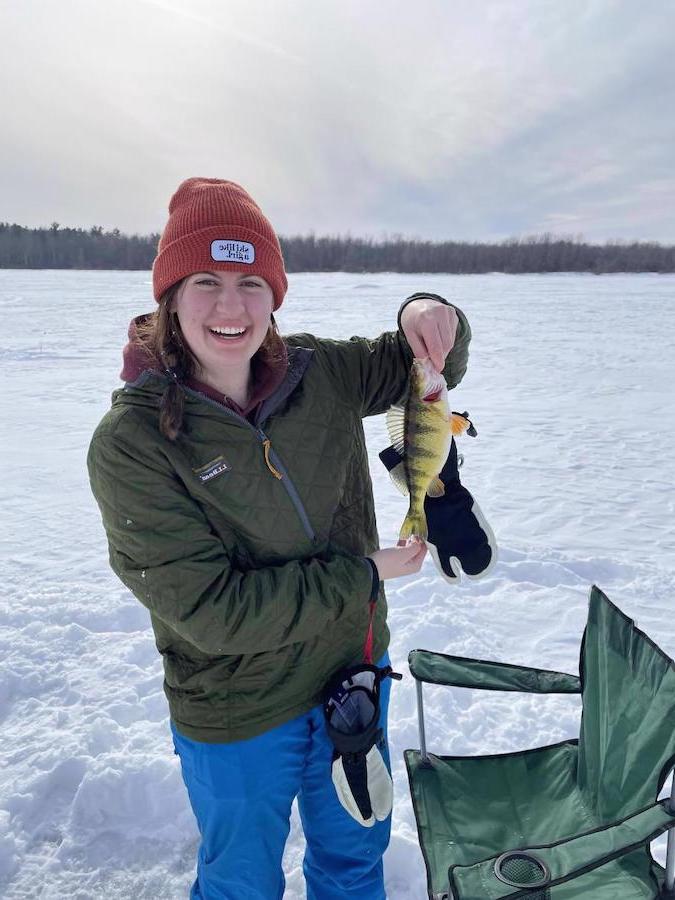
(257, 585)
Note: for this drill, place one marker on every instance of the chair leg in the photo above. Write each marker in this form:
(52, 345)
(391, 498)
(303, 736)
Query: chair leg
(420, 721)
(669, 884)
(668, 892)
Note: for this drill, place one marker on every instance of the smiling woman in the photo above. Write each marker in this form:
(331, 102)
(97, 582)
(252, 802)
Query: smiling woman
(240, 284)
(224, 318)
(261, 575)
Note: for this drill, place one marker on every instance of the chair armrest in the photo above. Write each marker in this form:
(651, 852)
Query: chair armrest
(564, 860)
(437, 668)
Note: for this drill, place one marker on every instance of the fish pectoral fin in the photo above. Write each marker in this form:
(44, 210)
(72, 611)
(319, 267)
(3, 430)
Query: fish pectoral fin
(397, 475)
(458, 424)
(395, 419)
(436, 488)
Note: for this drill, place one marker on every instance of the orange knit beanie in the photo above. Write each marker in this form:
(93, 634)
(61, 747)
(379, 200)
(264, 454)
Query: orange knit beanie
(213, 225)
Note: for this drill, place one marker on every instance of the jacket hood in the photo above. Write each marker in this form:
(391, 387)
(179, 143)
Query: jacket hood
(135, 358)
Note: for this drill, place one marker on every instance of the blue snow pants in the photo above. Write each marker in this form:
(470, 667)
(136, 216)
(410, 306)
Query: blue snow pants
(241, 794)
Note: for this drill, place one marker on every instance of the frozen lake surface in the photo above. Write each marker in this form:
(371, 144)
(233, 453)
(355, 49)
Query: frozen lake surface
(570, 384)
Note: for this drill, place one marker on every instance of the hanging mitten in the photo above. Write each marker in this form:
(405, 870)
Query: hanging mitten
(352, 710)
(459, 537)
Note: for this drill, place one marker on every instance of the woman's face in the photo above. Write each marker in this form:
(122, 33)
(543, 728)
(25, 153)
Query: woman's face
(211, 303)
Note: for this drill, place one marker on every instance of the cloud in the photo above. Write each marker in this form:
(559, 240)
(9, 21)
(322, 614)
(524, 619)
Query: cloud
(434, 119)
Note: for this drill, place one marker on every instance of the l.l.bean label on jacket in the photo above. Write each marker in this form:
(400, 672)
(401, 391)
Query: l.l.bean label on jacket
(233, 251)
(212, 469)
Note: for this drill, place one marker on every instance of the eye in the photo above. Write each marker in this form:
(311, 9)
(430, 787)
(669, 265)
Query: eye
(206, 281)
(250, 283)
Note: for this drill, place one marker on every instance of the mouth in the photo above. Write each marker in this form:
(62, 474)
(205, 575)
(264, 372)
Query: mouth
(429, 384)
(431, 398)
(229, 335)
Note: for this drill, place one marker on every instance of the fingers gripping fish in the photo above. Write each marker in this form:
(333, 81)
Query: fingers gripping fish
(421, 431)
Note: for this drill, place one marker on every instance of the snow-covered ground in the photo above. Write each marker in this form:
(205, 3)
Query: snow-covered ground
(570, 384)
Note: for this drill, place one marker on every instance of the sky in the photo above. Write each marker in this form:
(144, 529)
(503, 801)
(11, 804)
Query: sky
(436, 120)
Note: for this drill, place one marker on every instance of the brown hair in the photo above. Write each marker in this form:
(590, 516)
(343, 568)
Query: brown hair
(161, 337)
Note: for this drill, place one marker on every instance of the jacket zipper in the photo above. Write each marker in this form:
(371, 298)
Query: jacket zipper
(272, 462)
(278, 470)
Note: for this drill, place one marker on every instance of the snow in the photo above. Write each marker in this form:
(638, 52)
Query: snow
(570, 386)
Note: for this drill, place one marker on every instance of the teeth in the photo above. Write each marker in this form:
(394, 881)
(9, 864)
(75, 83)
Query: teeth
(228, 330)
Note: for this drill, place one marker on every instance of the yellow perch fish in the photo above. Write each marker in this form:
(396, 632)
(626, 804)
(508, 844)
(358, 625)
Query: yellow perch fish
(421, 431)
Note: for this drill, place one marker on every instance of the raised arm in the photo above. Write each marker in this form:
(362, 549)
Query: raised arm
(434, 328)
(374, 373)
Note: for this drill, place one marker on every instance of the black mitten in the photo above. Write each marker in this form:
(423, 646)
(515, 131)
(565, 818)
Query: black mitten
(459, 538)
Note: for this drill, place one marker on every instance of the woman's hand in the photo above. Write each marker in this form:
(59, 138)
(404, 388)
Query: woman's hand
(396, 561)
(430, 328)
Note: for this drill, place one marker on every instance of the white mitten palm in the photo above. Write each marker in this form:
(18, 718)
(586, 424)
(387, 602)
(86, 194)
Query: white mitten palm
(363, 786)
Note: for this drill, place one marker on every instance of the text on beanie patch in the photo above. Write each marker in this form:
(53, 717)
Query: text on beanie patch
(233, 251)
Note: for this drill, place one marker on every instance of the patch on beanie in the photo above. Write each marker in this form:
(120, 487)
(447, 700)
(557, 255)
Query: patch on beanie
(233, 251)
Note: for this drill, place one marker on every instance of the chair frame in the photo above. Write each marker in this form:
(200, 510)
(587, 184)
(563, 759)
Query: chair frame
(669, 883)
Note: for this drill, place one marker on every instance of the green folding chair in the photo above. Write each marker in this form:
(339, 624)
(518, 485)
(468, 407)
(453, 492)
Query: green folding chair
(571, 820)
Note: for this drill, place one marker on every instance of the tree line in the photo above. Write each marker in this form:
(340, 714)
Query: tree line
(56, 247)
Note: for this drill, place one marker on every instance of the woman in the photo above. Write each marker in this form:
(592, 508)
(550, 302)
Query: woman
(232, 477)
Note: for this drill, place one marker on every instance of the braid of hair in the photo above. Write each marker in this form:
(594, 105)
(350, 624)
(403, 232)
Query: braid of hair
(172, 353)
(162, 337)
(172, 407)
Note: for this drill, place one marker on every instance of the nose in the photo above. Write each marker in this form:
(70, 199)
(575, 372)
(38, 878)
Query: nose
(230, 299)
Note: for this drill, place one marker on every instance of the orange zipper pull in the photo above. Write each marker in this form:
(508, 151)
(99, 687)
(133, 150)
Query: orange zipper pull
(267, 445)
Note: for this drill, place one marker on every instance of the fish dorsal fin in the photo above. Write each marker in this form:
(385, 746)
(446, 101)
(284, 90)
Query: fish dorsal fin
(397, 475)
(458, 424)
(436, 488)
(395, 419)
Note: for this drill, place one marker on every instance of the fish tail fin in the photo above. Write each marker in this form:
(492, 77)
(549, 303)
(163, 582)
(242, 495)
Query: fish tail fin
(413, 524)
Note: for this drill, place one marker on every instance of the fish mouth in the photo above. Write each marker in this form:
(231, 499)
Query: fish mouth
(433, 396)
(430, 382)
